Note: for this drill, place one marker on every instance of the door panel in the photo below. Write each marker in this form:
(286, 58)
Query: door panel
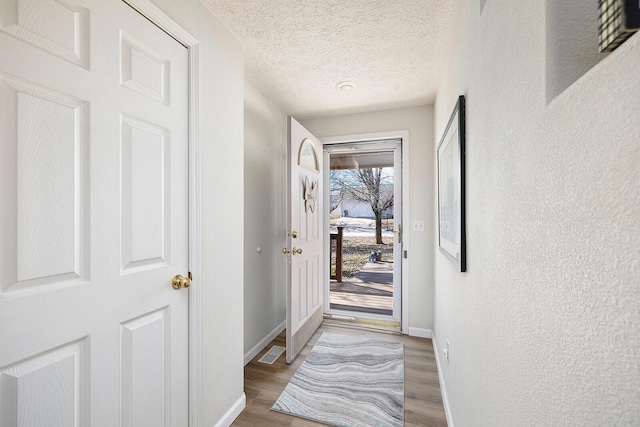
(145, 194)
(59, 27)
(50, 388)
(43, 151)
(144, 71)
(146, 373)
(93, 217)
(305, 245)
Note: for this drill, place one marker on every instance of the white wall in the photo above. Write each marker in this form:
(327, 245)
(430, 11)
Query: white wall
(265, 155)
(419, 122)
(222, 175)
(544, 328)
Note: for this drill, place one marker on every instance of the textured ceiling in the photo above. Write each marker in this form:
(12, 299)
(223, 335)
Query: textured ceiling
(296, 51)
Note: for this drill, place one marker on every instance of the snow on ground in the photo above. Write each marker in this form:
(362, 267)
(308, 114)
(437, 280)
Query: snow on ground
(358, 226)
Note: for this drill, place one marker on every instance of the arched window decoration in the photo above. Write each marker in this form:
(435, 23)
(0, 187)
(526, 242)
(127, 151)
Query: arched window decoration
(307, 156)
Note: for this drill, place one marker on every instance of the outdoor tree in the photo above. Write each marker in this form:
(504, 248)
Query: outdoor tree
(336, 193)
(373, 186)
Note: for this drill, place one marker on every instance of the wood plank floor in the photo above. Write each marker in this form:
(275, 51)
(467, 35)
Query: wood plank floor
(263, 383)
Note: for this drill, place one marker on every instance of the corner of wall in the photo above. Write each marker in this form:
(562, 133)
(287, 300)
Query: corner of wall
(420, 333)
(248, 357)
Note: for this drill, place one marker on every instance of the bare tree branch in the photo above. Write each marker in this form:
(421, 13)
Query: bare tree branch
(336, 193)
(373, 186)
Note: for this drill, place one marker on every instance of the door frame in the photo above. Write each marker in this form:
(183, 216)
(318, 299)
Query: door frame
(403, 136)
(393, 146)
(150, 11)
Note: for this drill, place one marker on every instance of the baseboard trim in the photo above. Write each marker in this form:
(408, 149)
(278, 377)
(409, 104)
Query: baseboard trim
(233, 412)
(420, 333)
(248, 357)
(443, 387)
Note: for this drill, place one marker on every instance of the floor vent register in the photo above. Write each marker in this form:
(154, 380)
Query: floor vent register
(272, 355)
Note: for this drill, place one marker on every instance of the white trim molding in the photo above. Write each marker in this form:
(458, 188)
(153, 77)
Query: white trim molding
(420, 333)
(229, 417)
(381, 136)
(443, 387)
(248, 357)
(154, 14)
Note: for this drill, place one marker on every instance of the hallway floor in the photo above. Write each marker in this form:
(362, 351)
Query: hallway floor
(264, 383)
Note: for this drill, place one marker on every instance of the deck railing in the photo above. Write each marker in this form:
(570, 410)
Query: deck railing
(335, 266)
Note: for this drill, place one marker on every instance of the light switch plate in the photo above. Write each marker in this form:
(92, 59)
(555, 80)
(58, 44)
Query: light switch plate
(418, 225)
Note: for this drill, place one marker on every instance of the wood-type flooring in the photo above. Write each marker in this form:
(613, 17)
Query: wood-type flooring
(263, 383)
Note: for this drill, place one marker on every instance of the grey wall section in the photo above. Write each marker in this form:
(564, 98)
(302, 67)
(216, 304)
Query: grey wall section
(222, 174)
(419, 122)
(265, 157)
(544, 328)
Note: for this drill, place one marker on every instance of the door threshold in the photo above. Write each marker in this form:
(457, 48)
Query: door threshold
(352, 322)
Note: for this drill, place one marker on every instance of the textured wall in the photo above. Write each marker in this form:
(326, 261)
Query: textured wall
(544, 328)
(419, 122)
(265, 156)
(221, 137)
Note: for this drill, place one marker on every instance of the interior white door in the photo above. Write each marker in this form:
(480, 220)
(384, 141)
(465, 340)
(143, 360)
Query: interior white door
(305, 239)
(93, 217)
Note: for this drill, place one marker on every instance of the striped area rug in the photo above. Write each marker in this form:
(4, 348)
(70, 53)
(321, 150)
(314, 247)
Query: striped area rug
(348, 381)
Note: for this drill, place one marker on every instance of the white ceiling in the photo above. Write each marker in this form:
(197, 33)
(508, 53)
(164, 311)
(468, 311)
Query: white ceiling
(296, 51)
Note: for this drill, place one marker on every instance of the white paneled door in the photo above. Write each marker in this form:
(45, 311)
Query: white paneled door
(305, 238)
(93, 217)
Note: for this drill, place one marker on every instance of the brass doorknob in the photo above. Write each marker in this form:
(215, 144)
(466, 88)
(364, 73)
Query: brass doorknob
(296, 251)
(180, 282)
(285, 251)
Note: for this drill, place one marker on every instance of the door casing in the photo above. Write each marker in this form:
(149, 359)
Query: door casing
(402, 135)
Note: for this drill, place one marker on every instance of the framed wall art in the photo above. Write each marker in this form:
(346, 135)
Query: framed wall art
(451, 188)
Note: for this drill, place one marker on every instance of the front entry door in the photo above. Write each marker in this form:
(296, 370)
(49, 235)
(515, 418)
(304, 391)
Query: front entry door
(374, 293)
(305, 238)
(93, 217)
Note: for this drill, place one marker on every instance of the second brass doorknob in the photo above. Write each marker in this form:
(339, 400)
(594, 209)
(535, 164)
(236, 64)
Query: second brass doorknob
(296, 251)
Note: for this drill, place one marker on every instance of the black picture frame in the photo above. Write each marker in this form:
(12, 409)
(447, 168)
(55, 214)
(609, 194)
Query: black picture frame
(451, 188)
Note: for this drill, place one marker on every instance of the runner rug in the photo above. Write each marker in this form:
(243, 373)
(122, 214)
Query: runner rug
(348, 381)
